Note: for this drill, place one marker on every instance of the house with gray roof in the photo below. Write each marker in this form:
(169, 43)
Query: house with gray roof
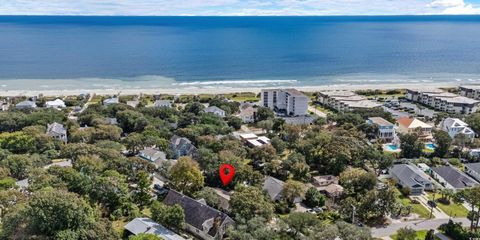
(215, 110)
(153, 155)
(26, 105)
(201, 220)
(163, 103)
(412, 177)
(473, 169)
(57, 131)
(148, 226)
(452, 178)
(181, 146)
(273, 187)
(110, 101)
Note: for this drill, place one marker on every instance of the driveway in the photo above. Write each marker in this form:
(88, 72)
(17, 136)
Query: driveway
(437, 212)
(415, 225)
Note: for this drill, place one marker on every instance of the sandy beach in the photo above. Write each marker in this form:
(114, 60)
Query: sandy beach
(216, 90)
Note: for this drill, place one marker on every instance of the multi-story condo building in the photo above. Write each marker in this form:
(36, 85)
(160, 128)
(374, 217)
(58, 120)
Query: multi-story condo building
(386, 129)
(470, 91)
(344, 101)
(443, 101)
(291, 101)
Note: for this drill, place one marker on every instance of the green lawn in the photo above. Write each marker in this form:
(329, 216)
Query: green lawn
(452, 209)
(416, 208)
(420, 235)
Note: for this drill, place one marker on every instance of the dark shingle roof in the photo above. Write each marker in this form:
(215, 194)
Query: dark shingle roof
(273, 187)
(409, 175)
(454, 177)
(196, 213)
(474, 166)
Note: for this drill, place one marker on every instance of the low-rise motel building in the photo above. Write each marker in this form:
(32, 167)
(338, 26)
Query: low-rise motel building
(345, 101)
(443, 101)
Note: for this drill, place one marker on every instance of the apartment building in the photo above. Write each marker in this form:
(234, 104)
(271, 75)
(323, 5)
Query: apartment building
(290, 101)
(443, 101)
(470, 91)
(344, 101)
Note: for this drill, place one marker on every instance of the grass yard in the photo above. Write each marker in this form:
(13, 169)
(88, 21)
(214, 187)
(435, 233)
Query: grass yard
(416, 208)
(420, 235)
(452, 209)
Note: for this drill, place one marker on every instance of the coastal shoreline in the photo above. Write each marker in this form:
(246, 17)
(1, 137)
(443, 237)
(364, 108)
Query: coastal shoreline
(220, 90)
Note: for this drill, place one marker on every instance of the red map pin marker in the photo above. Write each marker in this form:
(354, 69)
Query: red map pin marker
(224, 176)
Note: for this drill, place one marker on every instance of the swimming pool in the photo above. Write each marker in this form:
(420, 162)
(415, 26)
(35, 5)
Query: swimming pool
(391, 147)
(430, 146)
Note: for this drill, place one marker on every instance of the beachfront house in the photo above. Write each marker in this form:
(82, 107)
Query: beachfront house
(57, 131)
(386, 129)
(26, 105)
(163, 103)
(455, 126)
(473, 169)
(181, 146)
(110, 101)
(215, 110)
(409, 125)
(289, 101)
(201, 220)
(452, 178)
(148, 226)
(57, 103)
(411, 177)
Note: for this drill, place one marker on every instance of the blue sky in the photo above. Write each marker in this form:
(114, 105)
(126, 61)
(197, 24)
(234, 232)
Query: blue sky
(238, 7)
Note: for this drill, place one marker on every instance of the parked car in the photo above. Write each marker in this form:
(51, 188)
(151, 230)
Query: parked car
(431, 203)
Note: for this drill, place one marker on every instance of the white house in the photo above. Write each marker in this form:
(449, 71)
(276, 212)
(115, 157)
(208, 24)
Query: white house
(215, 110)
(57, 103)
(292, 101)
(386, 129)
(455, 126)
(57, 131)
(248, 114)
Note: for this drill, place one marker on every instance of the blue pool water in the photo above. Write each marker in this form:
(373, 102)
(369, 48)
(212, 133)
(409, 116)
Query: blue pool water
(392, 147)
(430, 146)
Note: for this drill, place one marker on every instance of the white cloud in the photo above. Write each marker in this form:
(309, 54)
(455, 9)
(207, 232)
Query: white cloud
(235, 7)
(454, 7)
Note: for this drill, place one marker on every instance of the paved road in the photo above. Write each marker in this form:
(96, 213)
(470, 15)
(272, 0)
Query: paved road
(415, 225)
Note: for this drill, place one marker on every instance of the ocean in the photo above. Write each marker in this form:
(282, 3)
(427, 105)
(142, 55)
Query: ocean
(67, 52)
